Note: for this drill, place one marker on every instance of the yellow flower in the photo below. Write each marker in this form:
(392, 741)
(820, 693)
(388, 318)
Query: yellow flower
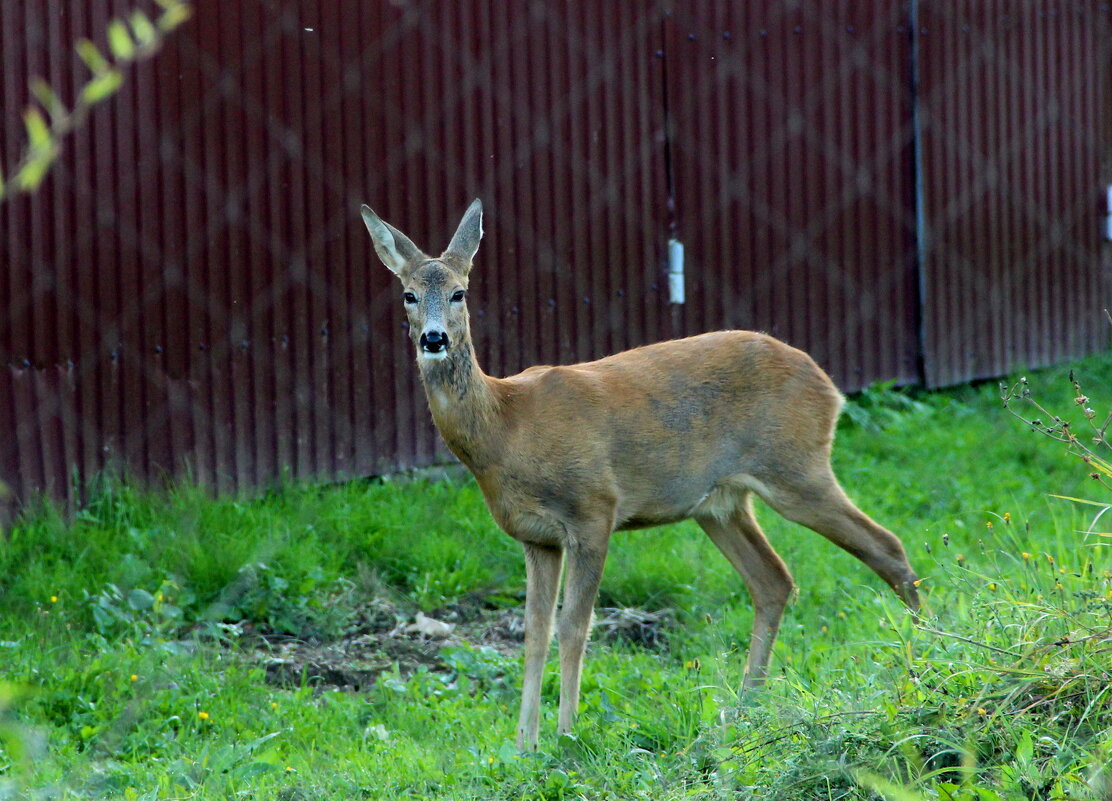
(992, 587)
(203, 715)
(1025, 556)
(982, 711)
(917, 582)
(273, 704)
(134, 677)
(988, 524)
(1007, 517)
(53, 599)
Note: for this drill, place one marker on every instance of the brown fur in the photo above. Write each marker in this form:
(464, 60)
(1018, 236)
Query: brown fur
(684, 429)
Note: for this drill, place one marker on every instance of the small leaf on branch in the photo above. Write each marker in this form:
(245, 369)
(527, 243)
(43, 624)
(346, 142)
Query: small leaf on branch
(35, 168)
(37, 129)
(92, 57)
(48, 98)
(119, 41)
(174, 15)
(143, 29)
(102, 86)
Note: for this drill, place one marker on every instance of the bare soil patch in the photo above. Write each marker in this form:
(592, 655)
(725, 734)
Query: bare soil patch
(386, 635)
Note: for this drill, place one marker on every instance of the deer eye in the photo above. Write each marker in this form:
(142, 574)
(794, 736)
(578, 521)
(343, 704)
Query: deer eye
(409, 298)
(458, 296)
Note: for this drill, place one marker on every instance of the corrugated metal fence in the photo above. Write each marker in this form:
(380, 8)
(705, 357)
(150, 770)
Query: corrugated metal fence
(909, 190)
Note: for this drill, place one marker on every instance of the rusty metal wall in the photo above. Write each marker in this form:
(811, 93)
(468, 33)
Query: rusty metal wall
(1012, 94)
(794, 177)
(193, 290)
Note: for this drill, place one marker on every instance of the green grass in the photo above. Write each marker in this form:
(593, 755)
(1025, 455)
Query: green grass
(125, 671)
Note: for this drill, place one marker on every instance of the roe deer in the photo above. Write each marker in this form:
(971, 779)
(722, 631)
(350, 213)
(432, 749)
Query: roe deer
(684, 429)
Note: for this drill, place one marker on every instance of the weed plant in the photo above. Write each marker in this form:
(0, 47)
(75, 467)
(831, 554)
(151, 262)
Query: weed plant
(127, 671)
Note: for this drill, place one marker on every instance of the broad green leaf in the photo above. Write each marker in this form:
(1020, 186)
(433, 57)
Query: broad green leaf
(140, 600)
(92, 57)
(102, 86)
(119, 41)
(143, 29)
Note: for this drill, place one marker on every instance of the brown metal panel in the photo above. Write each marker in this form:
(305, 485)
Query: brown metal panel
(1011, 155)
(793, 166)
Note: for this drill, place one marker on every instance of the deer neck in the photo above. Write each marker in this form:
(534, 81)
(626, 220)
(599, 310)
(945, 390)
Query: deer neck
(464, 405)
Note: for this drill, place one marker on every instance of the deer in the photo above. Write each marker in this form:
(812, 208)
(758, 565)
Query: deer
(683, 429)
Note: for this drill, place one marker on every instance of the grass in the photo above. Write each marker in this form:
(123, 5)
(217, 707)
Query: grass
(124, 640)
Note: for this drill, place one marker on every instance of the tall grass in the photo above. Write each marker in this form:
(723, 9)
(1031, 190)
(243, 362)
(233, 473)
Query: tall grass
(126, 670)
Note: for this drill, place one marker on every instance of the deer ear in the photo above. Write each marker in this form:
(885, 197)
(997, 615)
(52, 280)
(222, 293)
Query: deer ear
(466, 240)
(392, 246)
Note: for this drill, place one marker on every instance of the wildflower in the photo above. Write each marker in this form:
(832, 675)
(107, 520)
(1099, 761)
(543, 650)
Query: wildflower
(917, 582)
(1050, 558)
(1025, 556)
(992, 587)
(53, 599)
(203, 715)
(982, 711)
(134, 677)
(1007, 517)
(273, 704)
(988, 525)
(961, 558)
(826, 629)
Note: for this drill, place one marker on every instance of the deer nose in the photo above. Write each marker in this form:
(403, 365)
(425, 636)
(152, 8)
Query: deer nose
(434, 341)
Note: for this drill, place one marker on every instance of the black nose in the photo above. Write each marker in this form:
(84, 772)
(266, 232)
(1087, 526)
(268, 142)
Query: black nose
(434, 341)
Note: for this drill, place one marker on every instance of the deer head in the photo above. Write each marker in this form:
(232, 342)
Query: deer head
(434, 291)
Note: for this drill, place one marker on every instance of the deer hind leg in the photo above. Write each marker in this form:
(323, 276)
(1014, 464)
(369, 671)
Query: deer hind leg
(542, 581)
(585, 560)
(770, 585)
(818, 502)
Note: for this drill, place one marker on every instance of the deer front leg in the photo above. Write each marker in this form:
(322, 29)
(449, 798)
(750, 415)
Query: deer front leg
(584, 573)
(542, 580)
